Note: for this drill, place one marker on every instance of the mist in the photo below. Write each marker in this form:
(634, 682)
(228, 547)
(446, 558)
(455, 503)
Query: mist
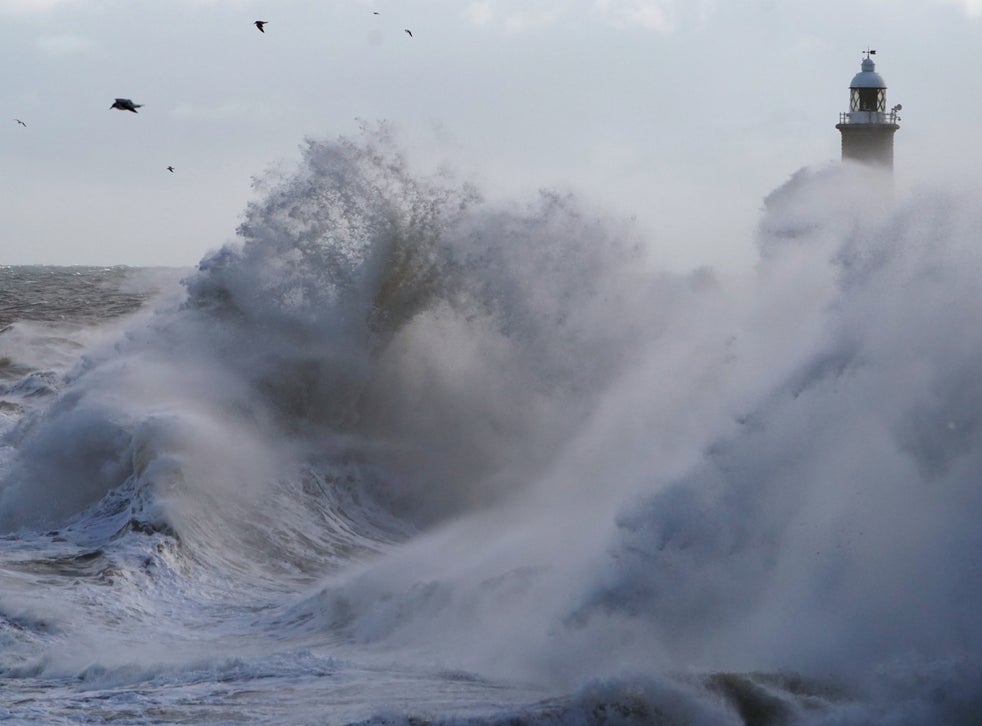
(502, 443)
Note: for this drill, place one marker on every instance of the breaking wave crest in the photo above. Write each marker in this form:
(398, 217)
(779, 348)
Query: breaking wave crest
(395, 322)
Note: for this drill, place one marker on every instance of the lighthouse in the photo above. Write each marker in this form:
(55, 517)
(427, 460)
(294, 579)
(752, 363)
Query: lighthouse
(867, 128)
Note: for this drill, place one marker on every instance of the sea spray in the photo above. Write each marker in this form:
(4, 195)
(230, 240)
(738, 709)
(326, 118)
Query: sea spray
(796, 492)
(396, 429)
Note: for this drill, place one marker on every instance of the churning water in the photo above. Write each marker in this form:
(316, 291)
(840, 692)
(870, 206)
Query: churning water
(402, 455)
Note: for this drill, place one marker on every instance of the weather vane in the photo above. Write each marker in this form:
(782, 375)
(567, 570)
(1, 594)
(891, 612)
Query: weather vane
(869, 52)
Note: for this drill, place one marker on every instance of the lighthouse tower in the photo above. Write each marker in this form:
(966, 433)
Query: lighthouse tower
(867, 128)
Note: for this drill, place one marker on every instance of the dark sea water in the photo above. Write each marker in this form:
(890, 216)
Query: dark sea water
(399, 455)
(72, 295)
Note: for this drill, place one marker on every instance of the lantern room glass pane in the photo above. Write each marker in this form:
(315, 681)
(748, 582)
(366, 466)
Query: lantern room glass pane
(868, 99)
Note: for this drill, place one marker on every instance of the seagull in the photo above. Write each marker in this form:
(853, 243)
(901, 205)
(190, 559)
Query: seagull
(21, 122)
(259, 24)
(170, 169)
(125, 104)
(409, 32)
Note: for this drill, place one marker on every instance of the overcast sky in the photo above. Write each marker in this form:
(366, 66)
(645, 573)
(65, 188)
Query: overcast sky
(681, 113)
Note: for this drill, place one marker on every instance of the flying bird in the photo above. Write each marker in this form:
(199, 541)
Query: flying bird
(259, 24)
(20, 122)
(170, 169)
(125, 104)
(409, 32)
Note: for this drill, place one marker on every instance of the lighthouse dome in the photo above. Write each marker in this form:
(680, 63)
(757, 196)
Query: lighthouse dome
(868, 77)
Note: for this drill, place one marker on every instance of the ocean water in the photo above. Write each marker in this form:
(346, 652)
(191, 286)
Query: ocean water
(400, 455)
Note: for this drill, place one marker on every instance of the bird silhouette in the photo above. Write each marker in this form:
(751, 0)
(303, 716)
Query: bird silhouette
(20, 122)
(125, 104)
(259, 24)
(170, 169)
(409, 32)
